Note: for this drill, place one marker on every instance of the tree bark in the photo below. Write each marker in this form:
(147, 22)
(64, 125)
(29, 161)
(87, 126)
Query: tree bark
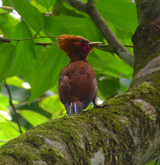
(126, 133)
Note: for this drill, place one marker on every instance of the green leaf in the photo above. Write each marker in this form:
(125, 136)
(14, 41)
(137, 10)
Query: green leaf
(120, 13)
(153, 163)
(100, 66)
(56, 26)
(39, 7)
(69, 10)
(107, 86)
(5, 115)
(7, 24)
(123, 36)
(110, 65)
(8, 131)
(4, 103)
(47, 74)
(29, 13)
(33, 118)
(25, 61)
(55, 88)
(15, 81)
(46, 3)
(7, 52)
(53, 105)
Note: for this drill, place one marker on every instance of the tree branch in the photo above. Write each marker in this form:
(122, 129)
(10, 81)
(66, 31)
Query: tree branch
(6, 8)
(8, 40)
(92, 11)
(115, 44)
(122, 134)
(156, 162)
(43, 43)
(27, 102)
(106, 45)
(77, 4)
(12, 105)
(23, 39)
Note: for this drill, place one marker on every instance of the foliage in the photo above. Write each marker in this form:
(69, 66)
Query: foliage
(32, 68)
(24, 61)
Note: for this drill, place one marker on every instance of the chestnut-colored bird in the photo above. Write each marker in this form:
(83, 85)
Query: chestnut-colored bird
(77, 81)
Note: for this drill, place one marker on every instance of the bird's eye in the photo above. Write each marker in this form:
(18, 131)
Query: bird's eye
(83, 41)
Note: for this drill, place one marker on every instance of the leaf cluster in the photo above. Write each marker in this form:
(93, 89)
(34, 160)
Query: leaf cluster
(31, 60)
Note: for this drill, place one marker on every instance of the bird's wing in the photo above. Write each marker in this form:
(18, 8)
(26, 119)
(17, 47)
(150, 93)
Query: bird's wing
(77, 85)
(83, 86)
(64, 88)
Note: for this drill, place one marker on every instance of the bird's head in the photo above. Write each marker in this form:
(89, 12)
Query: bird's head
(76, 47)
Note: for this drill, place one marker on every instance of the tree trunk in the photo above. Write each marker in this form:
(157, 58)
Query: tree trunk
(126, 133)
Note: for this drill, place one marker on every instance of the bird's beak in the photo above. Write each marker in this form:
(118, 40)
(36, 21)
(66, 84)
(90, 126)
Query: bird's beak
(92, 44)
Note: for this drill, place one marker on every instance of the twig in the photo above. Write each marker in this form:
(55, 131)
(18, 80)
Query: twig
(77, 4)
(32, 38)
(9, 123)
(5, 40)
(130, 46)
(7, 8)
(43, 43)
(11, 104)
(107, 50)
(156, 161)
(56, 8)
(23, 39)
(105, 45)
(26, 102)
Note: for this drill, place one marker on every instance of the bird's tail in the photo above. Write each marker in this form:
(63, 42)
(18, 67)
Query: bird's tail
(74, 107)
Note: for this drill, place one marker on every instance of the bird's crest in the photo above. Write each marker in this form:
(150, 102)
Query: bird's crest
(76, 47)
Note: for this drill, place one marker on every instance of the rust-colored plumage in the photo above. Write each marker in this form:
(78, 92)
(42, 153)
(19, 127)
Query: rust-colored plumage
(77, 81)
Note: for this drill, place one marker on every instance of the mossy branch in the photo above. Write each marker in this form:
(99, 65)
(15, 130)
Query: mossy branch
(13, 108)
(114, 135)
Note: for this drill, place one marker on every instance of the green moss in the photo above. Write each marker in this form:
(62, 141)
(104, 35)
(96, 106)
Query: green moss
(145, 88)
(68, 130)
(111, 122)
(121, 99)
(19, 154)
(151, 94)
(35, 140)
(85, 133)
(51, 157)
(116, 139)
(136, 115)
